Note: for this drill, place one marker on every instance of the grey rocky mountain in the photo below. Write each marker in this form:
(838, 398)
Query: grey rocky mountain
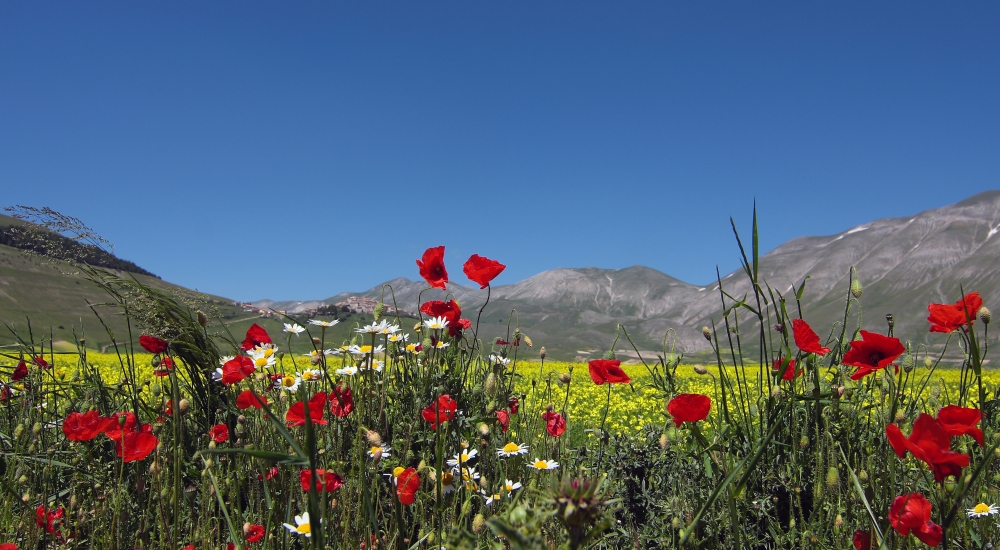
(903, 263)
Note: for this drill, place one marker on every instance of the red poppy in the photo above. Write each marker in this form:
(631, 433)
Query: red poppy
(482, 270)
(189, 547)
(445, 408)
(8, 546)
(504, 419)
(930, 443)
(806, 339)
(271, 474)
(231, 546)
(949, 317)
(5, 392)
(19, 372)
(689, 407)
(513, 404)
(48, 519)
(153, 344)
(163, 369)
(256, 335)
(608, 371)
(236, 369)
(249, 399)
(789, 373)
(451, 312)
(555, 424)
(862, 540)
(406, 486)
(958, 421)
(255, 533)
(219, 433)
(41, 363)
(114, 428)
(136, 445)
(432, 267)
(464, 324)
(912, 513)
(502, 342)
(296, 415)
(341, 401)
(83, 426)
(872, 353)
(326, 481)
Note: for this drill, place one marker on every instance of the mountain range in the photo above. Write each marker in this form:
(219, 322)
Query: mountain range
(903, 264)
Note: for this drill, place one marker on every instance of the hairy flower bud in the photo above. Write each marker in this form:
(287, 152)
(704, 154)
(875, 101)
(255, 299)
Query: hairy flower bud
(316, 341)
(541, 353)
(565, 377)
(707, 333)
(803, 442)
(856, 288)
(478, 523)
(832, 478)
(908, 362)
(484, 430)
(900, 417)
(862, 476)
(610, 354)
(663, 441)
(984, 315)
(202, 319)
(490, 384)
(700, 369)
(838, 521)
(373, 438)
(379, 310)
(183, 406)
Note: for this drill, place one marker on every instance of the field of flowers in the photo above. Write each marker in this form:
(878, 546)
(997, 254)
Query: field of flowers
(427, 437)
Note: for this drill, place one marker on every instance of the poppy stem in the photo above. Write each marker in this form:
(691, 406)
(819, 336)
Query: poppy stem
(607, 406)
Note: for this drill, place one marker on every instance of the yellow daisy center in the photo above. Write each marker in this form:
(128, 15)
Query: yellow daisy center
(541, 464)
(376, 449)
(510, 448)
(509, 487)
(260, 362)
(307, 375)
(447, 478)
(305, 528)
(465, 457)
(288, 381)
(981, 508)
(268, 352)
(366, 349)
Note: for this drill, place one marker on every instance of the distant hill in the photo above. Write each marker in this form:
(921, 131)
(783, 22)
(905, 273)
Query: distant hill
(903, 263)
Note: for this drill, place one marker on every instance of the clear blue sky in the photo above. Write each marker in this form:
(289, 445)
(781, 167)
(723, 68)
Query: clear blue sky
(296, 150)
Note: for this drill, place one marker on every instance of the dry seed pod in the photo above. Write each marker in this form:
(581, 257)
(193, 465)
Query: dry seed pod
(202, 319)
(707, 333)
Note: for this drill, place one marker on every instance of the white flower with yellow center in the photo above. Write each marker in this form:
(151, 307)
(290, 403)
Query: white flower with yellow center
(339, 351)
(302, 525)
(311, 375)
(290, 383)
(540, 464)
(399, 337)
(365, 350)
(513, 449)
(330, 352)
(377, 365)
(267, 350)
(263, 360)
(347, 371)
(326, 324)
(490, 499)
(441, 345)
(497, 360)
(294, 328)
(511, 486)
(462, 457)
(411, 348)
(469, 478)
(391, 329)
(225, 359)
(374, 328)
(396, 472)
(436, 323)
(447, 482)
(982, 510)
(383, 448)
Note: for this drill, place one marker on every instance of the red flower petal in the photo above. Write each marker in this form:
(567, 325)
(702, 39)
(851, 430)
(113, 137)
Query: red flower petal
(555, 424)
(504, 419)
(950, 317)
(341, 401)
(806, 339)
(255, 533)
(326, 481)
(153, 344)
(296, 415)
(19, 372)
(872, 353)
(219, 433)
(407, 485)
(432, 267)
(445, 408)
(958, 421)
(689, 407)
(83, 426)
(237, 369)
(249, 399)
(482, 270)
(256, 335)
(607, 371)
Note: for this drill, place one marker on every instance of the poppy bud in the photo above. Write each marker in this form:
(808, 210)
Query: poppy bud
(610, 354)
(422, 466)
(889, 319)
(565, 378)
(863, 475)
(36, 428)
(241, 419)
(25, 497)
(840, 391)
(700, 369)
(202, 319)
(155, 361)
(779, 328)
(478, 523)
(83, 341)
(908, 363)
(246, 528)
(791, 523)
(803, 442)
(856, 288)
(379, 310)
(542, 353)
(663, 441)
(184, 405)
(832, 478)
(373, 438)
(527, 340)
(316, 341)
(154, 468)
(490, 385)
(212, 445)
(18, 431)
(838, 521)
(484, 430)
(984, 315)
(23, 479)
(900, 416)
(377, 455)
(707, 333)
(776, 393)
(675, 523)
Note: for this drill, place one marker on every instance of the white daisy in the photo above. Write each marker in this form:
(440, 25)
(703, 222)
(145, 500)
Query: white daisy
(462, 457)
(513, 449)
(511, 486)
(399, 337)
(365, 350)
(391, 329)
(338, 351)
(376, 365)
(225, 359)
(263, 360)
(347, 371)
(319, 323)
(302, 525)
(217, 375)
(490, 499)
(264, 349)
(294, 328)
(469, 477)
(497, 360)
(310, 375)
(447, 482)
(412, 348)
(384, 448)
(290, 383)
(374, 328)
(540, 464)
(436, 323)
(441, 345)
(981, 510)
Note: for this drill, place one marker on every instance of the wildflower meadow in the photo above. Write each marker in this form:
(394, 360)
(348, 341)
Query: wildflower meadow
(420, 434)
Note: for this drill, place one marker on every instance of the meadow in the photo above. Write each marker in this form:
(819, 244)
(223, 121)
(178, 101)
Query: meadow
(405, 435)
